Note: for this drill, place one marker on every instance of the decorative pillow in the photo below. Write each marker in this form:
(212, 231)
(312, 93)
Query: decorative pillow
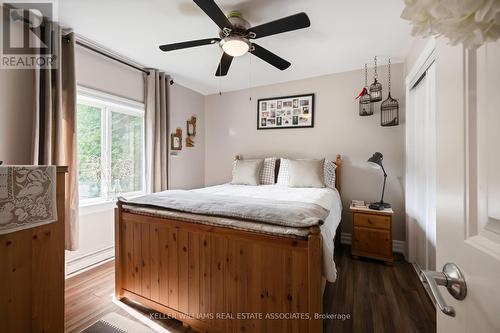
(246, 172)
(283, 172)
(329, 172)
(267, 173)
(306, 173)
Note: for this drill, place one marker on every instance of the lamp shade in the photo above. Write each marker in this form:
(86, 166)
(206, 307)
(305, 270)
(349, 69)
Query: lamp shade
(376, 159)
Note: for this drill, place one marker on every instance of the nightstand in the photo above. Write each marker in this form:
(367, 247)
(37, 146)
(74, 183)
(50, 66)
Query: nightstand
(372, 233)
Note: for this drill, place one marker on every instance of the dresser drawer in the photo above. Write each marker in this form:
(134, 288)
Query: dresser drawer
(372, 221)
(376, 242)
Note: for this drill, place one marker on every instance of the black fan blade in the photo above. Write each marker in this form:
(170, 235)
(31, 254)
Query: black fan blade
(224, 64)
(192, 43)
(213, 11)
(270, 57)
(289, 23)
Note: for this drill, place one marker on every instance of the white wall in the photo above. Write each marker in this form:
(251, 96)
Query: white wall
(187, 167)
(231, 129)
(96, 237)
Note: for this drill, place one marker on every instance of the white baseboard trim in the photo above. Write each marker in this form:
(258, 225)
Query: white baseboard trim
(397, 245)
(88, 260)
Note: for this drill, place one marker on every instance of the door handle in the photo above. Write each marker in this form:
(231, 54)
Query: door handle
(452, 278)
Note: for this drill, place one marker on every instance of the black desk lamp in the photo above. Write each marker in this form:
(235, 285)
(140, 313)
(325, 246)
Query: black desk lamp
(376, 161)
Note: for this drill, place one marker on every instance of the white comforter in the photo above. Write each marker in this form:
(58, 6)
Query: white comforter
(325, 197)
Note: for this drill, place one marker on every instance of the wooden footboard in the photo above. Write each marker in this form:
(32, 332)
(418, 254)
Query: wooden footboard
(218, 279)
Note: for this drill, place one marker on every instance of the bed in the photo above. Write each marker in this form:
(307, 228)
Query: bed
(227, 272)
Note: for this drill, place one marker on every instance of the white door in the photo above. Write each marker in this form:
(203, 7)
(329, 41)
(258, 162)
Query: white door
(420, 163)
(468, 182)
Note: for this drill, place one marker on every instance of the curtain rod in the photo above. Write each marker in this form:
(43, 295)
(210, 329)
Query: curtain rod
(106, 54)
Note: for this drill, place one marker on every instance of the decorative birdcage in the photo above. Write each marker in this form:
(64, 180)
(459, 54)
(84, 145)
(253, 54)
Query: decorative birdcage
(375, 87)
(365, 103)
(389, 109)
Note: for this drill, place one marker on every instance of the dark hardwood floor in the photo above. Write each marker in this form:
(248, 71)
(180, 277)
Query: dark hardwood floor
(378, 298)
(367, 297)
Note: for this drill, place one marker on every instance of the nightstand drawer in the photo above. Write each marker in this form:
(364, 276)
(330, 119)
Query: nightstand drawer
(376, 242)
(372, 221)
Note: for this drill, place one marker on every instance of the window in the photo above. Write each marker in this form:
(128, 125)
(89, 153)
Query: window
(110, 139)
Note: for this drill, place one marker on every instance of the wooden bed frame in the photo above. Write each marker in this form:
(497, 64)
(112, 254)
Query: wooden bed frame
(218, 279)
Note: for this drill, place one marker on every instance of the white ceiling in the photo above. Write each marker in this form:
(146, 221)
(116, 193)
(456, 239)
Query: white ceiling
(343, 36)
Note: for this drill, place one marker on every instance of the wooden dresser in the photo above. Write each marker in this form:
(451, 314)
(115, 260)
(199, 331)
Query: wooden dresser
(32, 274)
(372, 234)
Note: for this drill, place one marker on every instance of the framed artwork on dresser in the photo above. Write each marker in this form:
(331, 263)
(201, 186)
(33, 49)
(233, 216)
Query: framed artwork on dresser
(285, 112)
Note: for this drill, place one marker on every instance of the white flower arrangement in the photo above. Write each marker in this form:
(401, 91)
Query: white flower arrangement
(470, 22)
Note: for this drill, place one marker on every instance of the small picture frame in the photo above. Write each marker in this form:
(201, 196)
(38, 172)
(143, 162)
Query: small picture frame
(191, 126)
(176, 140)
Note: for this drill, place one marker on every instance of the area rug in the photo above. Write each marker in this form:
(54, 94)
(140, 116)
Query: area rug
(114, 323)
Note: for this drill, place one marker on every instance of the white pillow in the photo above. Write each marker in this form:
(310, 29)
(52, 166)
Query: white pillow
(306, 173)
(329, 173)
(267, 175)
(283, 172)
(246, 172)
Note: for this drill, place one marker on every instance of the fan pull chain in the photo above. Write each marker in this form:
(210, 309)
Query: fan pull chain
(375, 75)
(250, 79)
(220, 79)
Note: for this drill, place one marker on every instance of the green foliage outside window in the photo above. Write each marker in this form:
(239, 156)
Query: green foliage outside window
(126, 151)
(89, 150)
(121, 171)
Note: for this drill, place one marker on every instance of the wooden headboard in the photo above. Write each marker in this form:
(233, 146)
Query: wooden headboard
(338, 162)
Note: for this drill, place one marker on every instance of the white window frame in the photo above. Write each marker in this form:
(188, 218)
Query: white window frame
(109, 103)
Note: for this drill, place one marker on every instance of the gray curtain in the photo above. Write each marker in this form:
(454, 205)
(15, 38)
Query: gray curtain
(54, 128)
(156, 131)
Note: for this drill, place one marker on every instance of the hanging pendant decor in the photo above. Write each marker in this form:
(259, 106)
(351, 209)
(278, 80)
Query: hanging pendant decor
(365, 104)
(376, 87)
(470, 22)
(389, 109)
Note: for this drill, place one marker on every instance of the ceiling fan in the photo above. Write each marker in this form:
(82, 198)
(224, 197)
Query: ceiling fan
(236, 35)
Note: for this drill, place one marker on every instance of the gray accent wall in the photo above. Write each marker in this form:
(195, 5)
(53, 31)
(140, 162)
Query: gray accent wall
(16, 115)
(231, 129)
(16, 108)
(187, 167)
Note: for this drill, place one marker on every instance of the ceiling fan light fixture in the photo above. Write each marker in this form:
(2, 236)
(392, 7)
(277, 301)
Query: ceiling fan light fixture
(235, 46)
(236, 34)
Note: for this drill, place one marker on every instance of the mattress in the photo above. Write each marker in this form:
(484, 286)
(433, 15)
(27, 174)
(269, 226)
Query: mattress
(327, 198)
